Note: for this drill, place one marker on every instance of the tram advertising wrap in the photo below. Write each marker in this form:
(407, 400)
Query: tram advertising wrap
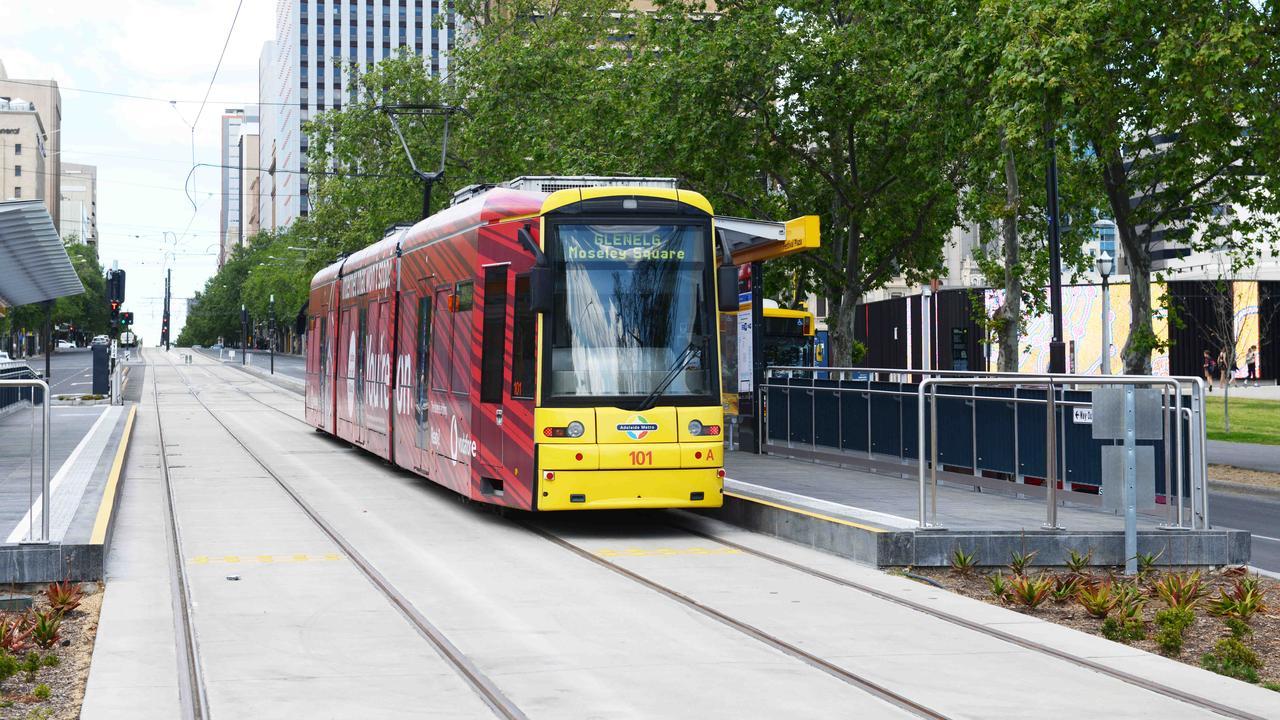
(540, 351)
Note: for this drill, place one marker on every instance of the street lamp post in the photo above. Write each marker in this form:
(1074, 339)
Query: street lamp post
(1057, 348)
(244, 333)
(271, 334)
(1106, 264)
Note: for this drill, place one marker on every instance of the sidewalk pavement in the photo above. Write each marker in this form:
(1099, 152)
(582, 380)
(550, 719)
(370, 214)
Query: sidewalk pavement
(1265, 458)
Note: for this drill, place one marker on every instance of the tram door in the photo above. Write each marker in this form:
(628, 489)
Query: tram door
(422, 373)
(493, 387)
(439, 410)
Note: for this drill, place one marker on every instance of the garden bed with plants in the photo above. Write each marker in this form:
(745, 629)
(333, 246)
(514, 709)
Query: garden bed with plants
(45, 653)
(1227, 620)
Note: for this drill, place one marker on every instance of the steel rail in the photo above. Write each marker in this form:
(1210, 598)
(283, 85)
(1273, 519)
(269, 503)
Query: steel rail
(772, 641)
(1129, 678)
(488, 691)
(192, 693)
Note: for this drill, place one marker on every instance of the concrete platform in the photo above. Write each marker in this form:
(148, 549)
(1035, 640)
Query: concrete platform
(87, 445)
(872, 518)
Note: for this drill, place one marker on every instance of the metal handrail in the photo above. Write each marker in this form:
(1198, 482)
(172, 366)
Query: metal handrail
(1198, 399)
(44, 458)
(1050, 382)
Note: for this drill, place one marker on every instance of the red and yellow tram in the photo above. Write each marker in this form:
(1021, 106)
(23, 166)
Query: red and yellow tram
(544, 351)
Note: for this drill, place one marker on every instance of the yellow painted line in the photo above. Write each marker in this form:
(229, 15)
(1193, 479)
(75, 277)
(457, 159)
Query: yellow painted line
(262, 559)
(105, 508)
(665, 551)
(798, 511)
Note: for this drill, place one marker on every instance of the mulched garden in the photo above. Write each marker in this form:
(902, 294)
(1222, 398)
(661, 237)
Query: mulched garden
(1226, 620)
(45, 653)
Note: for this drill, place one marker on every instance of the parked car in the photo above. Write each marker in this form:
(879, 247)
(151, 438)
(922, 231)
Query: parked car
(216, 346)
(101, 340)
(66, 345)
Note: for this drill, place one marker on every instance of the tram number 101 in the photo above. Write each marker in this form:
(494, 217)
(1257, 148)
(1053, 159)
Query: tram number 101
(641, 457)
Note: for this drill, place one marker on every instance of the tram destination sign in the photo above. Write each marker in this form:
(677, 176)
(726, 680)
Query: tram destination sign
(630, 244)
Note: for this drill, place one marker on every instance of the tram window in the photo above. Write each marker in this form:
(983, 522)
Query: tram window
(460, 375)
(493, 339)
(522, 342)
(441, 320)
(424, 347)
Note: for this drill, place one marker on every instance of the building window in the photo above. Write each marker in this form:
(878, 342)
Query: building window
(17, 171)
(1107, 240)
(17, 148)
(17, 191)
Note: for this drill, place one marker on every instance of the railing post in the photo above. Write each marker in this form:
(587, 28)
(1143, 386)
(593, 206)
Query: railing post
(933, 447)
(1051, 458)
(920, 440)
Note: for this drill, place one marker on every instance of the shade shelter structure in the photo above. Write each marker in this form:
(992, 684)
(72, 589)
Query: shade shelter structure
(34, 266)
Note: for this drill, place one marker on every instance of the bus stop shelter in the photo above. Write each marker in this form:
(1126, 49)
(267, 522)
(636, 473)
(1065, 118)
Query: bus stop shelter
(34, 266)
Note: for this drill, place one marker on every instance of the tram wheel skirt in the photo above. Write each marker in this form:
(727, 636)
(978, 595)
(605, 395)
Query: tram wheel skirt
(629, 489)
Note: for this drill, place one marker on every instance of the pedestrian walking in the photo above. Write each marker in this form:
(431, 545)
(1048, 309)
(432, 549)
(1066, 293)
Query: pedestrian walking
(1224, 369)
(1209, 367)
(1251, 364)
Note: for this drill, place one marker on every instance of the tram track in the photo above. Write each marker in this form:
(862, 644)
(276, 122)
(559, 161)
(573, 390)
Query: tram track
(490, 694)
(822, 664)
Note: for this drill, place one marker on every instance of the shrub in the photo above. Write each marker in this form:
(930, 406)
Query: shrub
(41, 692)
(1272, 686)
(1019, 562)
(1171, 624)
(51, 660)
(45, 629)
(1241, 602)
(8, 666)
(1181, 590)
(999, 587)
(1121, 630)
(1030, 591)
(1067, 587)
(1239, 628)
(1147, 562)
(63, 596)
(1232, 658)
(1097, 600)
(15, 634)
(963, 562)
(1077, 563)
(31, 662)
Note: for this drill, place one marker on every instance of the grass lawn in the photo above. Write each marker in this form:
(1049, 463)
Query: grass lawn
(1252, 421)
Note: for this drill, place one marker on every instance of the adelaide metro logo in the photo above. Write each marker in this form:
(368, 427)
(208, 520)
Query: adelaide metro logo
(637, 428)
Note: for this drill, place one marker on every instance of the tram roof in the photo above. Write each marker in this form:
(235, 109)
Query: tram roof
(36, 264)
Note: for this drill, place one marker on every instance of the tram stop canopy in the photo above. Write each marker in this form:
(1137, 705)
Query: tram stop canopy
(34, 266)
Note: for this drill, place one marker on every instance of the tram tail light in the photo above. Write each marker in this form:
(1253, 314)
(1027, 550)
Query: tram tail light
(720, 473)
(549, 475)
(697, 429)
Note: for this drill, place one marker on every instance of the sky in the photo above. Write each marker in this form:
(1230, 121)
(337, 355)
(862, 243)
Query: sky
(143, 148)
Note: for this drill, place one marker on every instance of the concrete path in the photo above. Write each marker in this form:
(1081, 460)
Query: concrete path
(301, 635)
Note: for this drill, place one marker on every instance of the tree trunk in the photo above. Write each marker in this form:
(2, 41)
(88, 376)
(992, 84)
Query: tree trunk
(1137, 348)
(842, 330)
(1009, 315)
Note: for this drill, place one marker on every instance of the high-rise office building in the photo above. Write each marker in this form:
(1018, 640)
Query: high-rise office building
(307, 69)
(80, 203)
(229, 220)
(45, 100)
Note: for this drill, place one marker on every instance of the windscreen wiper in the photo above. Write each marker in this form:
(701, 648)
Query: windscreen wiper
(682, 361)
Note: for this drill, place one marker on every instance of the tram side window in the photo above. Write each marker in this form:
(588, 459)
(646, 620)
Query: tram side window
(443, 320)
(464, 293)
(522, 342)
(424, 347)
(494, 334)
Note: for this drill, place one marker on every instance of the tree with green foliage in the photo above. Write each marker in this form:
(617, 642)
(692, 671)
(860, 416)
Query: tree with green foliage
(1176, 103)
(1006, 162)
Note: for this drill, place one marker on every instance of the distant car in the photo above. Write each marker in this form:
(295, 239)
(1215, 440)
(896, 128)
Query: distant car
(66, 345)
(216, 346)
(4, 357)
(197, 346)
(101, 340)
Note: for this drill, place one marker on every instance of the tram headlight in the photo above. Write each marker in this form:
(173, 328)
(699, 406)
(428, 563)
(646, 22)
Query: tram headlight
(575, 429)
(695, 427)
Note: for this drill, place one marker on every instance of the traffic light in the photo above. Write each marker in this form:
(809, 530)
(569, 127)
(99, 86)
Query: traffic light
(115, 288)
(126, 319)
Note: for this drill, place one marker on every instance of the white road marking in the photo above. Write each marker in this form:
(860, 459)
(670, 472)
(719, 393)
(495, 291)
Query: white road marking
(1264, 537)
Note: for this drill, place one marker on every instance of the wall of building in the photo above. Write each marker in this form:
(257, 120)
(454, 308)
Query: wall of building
(47, 100)
(23, 162)
(80, 203)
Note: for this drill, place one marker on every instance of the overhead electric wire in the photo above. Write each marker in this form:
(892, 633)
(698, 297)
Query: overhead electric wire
(218, 67)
